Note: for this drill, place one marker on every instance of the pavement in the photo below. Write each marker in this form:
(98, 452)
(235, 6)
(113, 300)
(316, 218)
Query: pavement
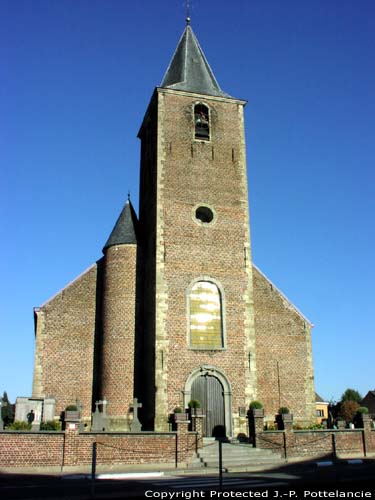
(131, 482)
(170, 469)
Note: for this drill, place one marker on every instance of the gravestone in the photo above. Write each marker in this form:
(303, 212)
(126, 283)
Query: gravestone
(81, 425)
(136, 426)
(49, 407)
(100, 420)
(25, 405)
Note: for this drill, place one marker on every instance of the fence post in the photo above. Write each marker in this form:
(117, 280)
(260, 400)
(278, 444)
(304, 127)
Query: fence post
(220, 464)
(93, 467)
(285, 445)
(334, 450)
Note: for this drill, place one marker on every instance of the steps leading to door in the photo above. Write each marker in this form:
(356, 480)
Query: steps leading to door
(236, 456)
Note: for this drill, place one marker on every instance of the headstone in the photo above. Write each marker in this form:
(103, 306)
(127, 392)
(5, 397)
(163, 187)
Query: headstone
(136, 426)
(100, 421)
(25, 405)
(81, 425)
(49, 409)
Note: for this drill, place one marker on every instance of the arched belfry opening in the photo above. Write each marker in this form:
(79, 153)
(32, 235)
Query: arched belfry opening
(202, 122)
(210, 386)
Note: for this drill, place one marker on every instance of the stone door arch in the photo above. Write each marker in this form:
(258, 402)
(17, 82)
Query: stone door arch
(212, 388)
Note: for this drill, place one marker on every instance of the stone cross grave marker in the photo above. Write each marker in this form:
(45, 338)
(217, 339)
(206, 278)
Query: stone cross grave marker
(136, 426)
(99, 418)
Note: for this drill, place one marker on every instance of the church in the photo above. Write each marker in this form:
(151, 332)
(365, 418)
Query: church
(175, 310)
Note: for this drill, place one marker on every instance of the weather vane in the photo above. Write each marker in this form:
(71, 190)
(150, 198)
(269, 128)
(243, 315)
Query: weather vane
(187, 11)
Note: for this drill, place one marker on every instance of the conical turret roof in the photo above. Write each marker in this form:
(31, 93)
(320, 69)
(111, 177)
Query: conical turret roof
(125, 230)
(189, 69)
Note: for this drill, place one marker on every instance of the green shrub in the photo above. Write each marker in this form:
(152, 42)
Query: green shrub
(50, 425)
(177, 410)
(256, 405)
(363, 410)
(271, 427)
(7, 410)
(71, 408)
(284, 410)
(17, 425)
(312, 427)
(194, 403)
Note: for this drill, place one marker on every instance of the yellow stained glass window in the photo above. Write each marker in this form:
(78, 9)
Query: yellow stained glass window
(206, 329)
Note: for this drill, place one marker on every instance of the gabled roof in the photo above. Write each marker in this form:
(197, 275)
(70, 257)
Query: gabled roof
(189, 69)
(319, 399)
(124, 232)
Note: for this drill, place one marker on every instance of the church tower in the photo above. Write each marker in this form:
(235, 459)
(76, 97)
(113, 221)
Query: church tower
(198, 319)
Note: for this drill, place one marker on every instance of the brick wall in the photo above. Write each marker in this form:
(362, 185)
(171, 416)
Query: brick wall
(57, 449)
(65, 331)
(137, 448)
(21, 449)
(284, 357)
(118, 320)
(318, 443)
(49, 449)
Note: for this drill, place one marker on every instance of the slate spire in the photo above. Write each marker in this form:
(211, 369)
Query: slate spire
(125, 230)
(189, 69)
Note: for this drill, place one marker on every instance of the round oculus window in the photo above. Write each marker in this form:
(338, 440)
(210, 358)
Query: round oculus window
(204, 214)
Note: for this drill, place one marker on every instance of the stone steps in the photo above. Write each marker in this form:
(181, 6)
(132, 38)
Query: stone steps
(236, 456)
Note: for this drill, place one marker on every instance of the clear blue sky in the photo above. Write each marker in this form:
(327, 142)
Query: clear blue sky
(75, 80)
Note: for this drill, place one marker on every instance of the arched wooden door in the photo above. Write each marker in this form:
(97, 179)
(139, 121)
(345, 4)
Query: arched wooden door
(208, 390)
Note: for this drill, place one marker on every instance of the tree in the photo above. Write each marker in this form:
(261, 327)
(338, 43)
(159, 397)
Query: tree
(351, 395)
(348, 410)
(7, 411)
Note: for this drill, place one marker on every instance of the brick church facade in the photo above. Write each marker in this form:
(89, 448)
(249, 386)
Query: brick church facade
(175, 309)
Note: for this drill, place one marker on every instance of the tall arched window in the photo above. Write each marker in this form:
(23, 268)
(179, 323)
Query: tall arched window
(205, 315)
(202, 122)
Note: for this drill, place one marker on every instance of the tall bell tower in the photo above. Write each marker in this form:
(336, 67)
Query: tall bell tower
(196, 314)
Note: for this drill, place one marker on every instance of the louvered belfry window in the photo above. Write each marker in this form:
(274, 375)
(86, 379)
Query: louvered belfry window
(202, 122)
(206, 325)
